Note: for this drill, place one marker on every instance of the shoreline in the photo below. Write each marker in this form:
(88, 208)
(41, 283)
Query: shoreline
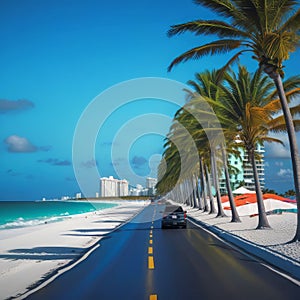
(31, 255)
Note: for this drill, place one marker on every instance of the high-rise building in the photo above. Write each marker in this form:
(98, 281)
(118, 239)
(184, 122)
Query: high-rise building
(150, 185)
(111, 187)
(150, 182)
(243, 174)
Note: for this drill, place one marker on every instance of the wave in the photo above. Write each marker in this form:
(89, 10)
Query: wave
(31, 213)
(20, 222)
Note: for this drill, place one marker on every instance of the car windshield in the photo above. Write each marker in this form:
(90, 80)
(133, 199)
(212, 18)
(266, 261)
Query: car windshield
(173, 208)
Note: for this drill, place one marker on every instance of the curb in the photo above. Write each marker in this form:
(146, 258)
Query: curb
(273, 258)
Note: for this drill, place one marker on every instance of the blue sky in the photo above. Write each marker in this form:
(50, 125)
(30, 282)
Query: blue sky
(57, 56)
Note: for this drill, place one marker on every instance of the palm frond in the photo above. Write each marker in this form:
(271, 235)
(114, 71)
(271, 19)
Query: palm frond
(280, 127)
(224, 8)
(208, 27)
(273, 140)
(292, 24)
(279, 11)
(229, 63)
(251, 19)
(295, 110)
(273, 106)
(216, 47)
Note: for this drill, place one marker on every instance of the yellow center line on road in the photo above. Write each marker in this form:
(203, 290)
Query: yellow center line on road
(150, 262)
(150, 254)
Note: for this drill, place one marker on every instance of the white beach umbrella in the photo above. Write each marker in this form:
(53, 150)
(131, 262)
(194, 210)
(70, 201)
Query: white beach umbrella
(242, 190)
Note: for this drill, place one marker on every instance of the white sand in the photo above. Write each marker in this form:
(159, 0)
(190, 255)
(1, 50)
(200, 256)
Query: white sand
(283, 226)
(29, 254)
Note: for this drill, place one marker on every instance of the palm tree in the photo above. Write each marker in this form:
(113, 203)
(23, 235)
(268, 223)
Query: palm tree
(268, 29)
(207, 133)
(168, 169)
(179, 160)
(249, 103)
(290, 193)
(207, 85)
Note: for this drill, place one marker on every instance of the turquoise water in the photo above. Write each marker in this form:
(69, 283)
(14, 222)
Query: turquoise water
(14, 214)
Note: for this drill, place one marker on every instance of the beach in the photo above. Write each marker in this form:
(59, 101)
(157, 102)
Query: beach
(31, 254)
(277, 238)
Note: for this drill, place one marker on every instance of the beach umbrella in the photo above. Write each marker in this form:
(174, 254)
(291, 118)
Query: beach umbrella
(242, 190)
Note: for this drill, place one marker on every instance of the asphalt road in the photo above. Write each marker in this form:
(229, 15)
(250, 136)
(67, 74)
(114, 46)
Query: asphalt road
(142, 261)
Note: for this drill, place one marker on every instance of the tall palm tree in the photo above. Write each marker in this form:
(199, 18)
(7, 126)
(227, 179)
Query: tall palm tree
(207, 84)
(179, 159)
(268, 29)
(249, 103)
(207, 133)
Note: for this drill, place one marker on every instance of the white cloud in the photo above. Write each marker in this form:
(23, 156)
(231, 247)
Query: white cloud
(279, 163)
(19, 144)
(278, 150)
(285, 173)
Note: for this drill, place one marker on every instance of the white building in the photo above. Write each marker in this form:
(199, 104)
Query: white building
(244, 172)
(150, 182)
(111, 187)
(150, 185)
(149, 190)
(78, 196)
(139, 190)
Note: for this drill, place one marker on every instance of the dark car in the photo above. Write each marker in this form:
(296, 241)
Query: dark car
(174, 216)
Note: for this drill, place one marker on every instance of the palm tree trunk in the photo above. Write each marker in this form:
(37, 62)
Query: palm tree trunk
(211, 199)
(184, 194)
(196, 195)
(292, 140)
(192, 192)
(195, 198)
(203, 186)
(262, 217)
(216, 183)
(200, 202)
(234, 214)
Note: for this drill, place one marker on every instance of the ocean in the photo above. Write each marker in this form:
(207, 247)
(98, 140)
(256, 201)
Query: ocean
(15, 214)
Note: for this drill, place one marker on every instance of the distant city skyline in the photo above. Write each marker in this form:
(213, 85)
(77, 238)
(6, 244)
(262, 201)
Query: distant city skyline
(114, 187)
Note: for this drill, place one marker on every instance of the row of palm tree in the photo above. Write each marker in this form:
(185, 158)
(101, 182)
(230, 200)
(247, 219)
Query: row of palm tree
(243, 106)
(270, 31)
